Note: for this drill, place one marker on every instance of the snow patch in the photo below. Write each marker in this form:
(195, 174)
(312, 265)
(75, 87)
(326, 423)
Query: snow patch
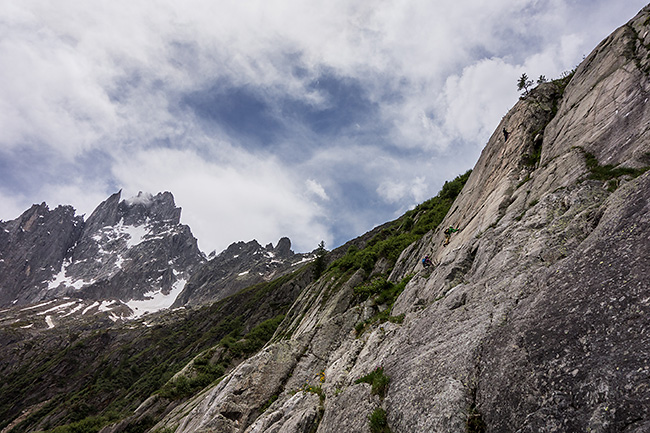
(74, 310)
(55, 308)
(103, 308)
(304, 260)
(243, 273)
(38, 305)
(61, 278)
(157, 300)
(132, 235)
(90, 307)
(49, 321)
(136, 234)
(27, 326)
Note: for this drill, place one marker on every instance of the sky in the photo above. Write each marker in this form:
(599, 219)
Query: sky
(269, 118)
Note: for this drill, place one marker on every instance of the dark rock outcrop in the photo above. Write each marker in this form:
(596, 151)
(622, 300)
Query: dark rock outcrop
(33, 247)
(241, 265)
(126, 250)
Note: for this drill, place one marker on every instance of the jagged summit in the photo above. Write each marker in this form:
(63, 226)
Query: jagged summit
(134, 211)
(240, 265)
(127, 250)
(130, 254)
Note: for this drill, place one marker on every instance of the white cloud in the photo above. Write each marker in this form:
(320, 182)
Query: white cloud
(247, 199)
(317, 189)
(475, 101)
(50, 93)
(83, 196)
(13, 205)
(392, 191)
(109, 77)
(414, 191)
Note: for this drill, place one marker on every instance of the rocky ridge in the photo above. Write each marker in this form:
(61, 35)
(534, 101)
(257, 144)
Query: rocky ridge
(241, 265)
(131, 250)
(129, 258)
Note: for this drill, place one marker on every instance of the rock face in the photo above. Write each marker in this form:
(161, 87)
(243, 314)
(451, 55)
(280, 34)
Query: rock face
(241, 265)
(537, 315)
(31, 246)
(133, 249)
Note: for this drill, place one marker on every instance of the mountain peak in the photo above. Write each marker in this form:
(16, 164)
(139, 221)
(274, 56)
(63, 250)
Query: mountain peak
(127, 250)
(240, 265)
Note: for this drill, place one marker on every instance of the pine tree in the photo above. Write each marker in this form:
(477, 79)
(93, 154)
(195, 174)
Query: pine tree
(319, 263)
(524, 83)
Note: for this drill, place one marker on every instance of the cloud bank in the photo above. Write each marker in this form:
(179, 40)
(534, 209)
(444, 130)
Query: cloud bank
(313, 120)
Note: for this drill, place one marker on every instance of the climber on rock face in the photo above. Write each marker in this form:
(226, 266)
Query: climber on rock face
(426, 261)
(448, 231)
(505, 134)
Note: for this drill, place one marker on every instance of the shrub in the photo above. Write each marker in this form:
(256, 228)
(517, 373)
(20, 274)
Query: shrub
(371, 288)
(607, 172)
(378, 380)
(378, 421)
(524, 83)
(314, 389)
(319, 262)
(254, 340)
(385, 293)
(475, 423)
(89, 425)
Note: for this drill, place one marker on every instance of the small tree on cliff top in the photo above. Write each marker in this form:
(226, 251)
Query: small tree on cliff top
(524, 83)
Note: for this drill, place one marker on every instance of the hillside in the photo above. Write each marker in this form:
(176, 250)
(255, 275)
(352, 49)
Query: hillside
(534, 316)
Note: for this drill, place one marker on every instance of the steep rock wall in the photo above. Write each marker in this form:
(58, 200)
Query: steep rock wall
(536, 315)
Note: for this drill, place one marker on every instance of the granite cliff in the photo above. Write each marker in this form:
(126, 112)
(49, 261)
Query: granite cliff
(536, 316)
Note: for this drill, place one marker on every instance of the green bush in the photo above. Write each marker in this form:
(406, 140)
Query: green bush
(607, 172)
(378, 380)
(384, 293)
(254, 340)
(88, 425)
(378, 421)
(319, 262)
(475, 423)
(371, 288)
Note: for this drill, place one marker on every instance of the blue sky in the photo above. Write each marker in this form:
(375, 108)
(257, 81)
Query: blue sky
(269, 118)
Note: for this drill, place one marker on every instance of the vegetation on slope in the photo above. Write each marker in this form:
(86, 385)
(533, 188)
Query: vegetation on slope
(410, 227)
(103, 376)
